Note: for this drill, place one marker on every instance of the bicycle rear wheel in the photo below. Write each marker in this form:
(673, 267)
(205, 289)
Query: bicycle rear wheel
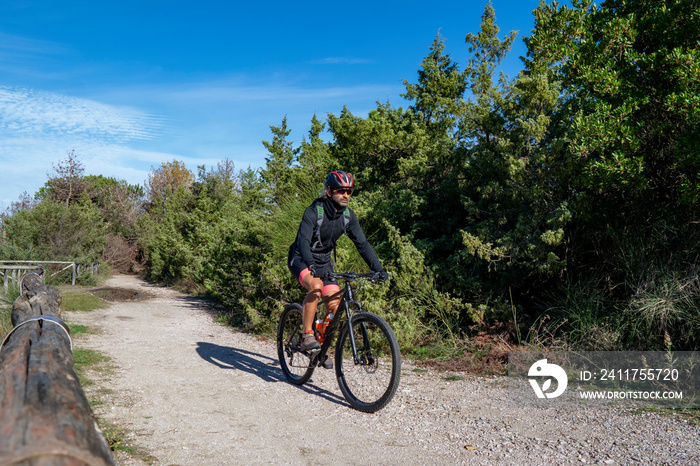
(370, 383)
(296, 365)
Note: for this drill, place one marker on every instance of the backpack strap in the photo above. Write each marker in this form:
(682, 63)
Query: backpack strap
(319, 221)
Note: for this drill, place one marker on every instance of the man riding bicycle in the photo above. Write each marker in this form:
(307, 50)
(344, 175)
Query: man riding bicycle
(324, 221)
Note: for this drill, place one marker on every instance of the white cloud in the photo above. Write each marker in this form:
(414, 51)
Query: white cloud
(48, 115)
(37, 129)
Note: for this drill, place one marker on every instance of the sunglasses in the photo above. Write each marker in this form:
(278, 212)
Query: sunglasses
(347, 191)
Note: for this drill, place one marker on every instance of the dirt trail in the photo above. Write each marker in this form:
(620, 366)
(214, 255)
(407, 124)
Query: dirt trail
(190, 391)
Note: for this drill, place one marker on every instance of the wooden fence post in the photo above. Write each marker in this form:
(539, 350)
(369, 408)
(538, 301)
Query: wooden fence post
(45, 418)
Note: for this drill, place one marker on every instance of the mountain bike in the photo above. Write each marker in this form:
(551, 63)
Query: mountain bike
(367, 357)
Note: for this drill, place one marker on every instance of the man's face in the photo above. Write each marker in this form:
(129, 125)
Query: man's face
(341, 196)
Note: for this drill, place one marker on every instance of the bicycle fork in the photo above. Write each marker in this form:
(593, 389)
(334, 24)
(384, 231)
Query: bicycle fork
(363, 359)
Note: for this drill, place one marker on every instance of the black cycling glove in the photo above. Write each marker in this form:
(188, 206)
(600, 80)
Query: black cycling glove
(319, 272)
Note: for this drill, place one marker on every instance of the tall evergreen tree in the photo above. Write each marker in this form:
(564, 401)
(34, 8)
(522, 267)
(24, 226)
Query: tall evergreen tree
(438, 94)
(278, 171)
(313, 154)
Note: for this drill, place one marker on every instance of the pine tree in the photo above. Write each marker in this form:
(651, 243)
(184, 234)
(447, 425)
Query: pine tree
(278, 172)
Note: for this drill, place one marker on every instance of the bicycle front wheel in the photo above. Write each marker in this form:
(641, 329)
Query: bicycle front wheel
(296, 365)
(370, 382)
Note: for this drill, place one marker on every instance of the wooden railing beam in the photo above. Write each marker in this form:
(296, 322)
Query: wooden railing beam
(45, 417)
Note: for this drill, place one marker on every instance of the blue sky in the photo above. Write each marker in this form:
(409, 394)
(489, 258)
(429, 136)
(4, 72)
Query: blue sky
(128, 85)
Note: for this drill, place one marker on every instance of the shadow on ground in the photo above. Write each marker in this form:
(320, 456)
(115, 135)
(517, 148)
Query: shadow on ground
(262, 366)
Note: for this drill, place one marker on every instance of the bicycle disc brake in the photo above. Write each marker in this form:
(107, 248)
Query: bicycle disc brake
(368, 362)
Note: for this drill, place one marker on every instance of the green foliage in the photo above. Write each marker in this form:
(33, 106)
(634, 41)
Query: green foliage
(277, 174)
(71, 217)
(5, 320)
(631, 72)
(166, 234)
(288, 168)
(664, 313)
(438, 95)
(579, 315)
(54, 231)
(235, 267)
(631, 78)
(465, 178)
(630, 84)
(118, 201)
(7, 298)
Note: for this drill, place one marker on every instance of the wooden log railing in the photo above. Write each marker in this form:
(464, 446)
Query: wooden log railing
(14, 273)
(45, 418)
(11, 269)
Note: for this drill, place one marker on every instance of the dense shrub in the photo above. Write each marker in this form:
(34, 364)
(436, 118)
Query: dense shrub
(54, 231)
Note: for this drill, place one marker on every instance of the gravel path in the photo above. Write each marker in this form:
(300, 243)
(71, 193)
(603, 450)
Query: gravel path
(190, 391)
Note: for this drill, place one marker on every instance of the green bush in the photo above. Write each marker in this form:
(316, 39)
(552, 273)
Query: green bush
(7, 298)
(580, 317)
(664, 313)
(52, 231)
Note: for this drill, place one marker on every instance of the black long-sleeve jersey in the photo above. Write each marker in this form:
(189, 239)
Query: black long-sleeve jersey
(310, 250)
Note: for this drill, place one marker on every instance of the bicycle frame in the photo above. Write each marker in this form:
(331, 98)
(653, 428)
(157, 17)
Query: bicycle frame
(347, 298)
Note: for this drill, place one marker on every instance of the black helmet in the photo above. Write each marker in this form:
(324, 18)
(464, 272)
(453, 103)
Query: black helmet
(340, 179)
